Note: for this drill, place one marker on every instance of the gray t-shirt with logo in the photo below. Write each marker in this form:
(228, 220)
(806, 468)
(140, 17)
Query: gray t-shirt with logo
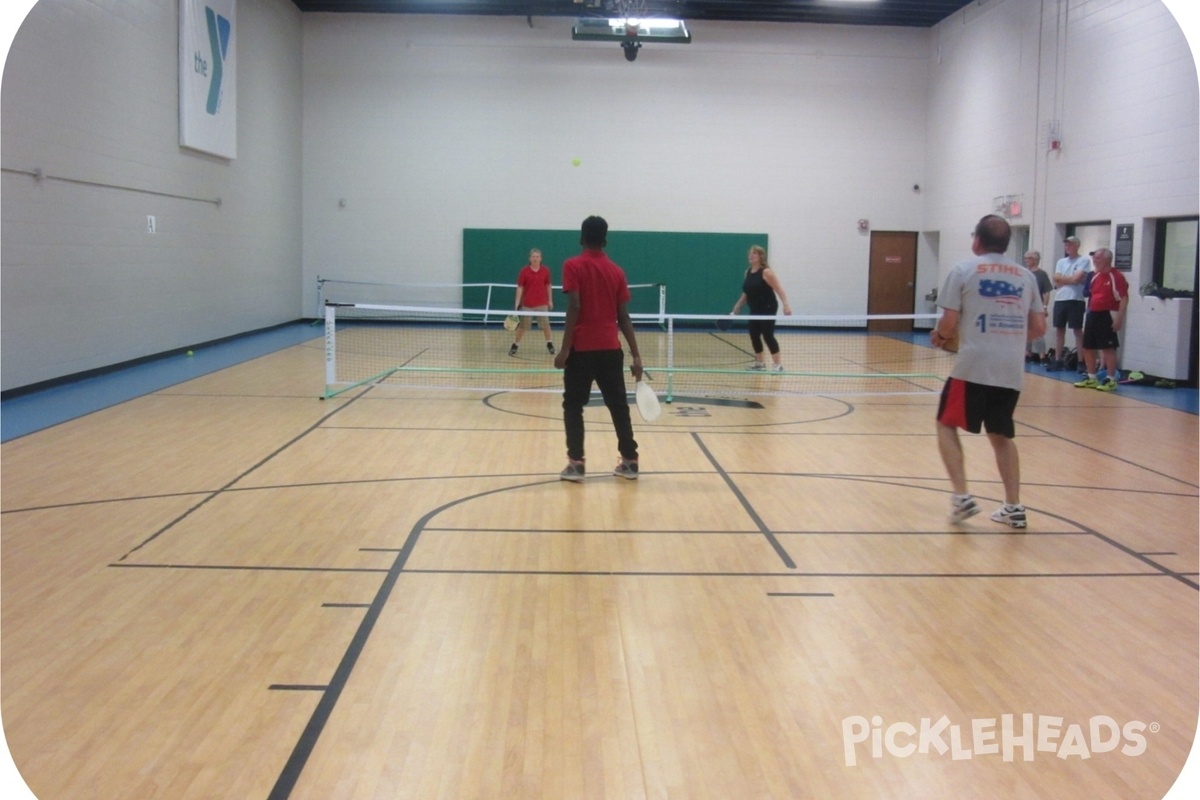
(993, 296)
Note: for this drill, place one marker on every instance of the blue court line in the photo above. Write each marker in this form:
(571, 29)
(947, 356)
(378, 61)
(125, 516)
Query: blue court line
(44, 408)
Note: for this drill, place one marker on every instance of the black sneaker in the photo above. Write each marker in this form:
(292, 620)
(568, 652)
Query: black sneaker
(512, 351)
(574, 471)
(627, 468)
(550, 347)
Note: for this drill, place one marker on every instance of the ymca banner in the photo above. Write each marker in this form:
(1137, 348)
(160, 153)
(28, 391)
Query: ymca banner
(208, 76)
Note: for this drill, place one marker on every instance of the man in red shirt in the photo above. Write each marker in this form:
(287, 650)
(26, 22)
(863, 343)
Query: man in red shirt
(597, 305)
(1107, 299)
(533, 294)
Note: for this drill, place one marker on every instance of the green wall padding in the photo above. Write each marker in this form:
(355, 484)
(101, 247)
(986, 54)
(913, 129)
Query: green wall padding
(703, 271)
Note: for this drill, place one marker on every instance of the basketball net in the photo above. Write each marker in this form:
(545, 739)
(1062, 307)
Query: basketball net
(633, 12)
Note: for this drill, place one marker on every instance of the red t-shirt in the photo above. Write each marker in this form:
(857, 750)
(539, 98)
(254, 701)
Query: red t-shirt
(536, 284)
(601, 289)
(1107, 290)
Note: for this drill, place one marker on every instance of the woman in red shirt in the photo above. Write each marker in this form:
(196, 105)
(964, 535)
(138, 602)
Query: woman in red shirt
(533, 294)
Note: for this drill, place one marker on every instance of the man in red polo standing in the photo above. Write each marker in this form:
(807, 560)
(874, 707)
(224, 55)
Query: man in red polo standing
(597, 306)
(1108, 296)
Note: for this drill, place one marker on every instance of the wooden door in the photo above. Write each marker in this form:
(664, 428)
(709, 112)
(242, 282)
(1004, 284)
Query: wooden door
(892, 279)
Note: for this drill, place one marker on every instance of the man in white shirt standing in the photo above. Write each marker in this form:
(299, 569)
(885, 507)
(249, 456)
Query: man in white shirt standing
(1069, 304)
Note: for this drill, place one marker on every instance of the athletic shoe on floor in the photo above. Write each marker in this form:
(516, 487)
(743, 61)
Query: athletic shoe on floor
(1109, 385)
(1054, 366)
(550, 347)
(1087, 383)
(757, 366)
(512, 351)
(574, 471)
(777, 368)
(962, 507)
(627, 469)
(1012, 516)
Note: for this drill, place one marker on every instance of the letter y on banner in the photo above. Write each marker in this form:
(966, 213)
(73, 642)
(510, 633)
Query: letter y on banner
(208, 76)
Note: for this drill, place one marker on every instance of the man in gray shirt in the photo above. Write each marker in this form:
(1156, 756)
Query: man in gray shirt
(995, 307)
(1036, 349)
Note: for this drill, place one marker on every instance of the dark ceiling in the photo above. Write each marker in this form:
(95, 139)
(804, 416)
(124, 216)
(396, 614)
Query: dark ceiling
(906, 13)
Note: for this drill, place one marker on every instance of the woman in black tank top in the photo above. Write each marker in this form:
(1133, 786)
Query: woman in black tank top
(759, 290)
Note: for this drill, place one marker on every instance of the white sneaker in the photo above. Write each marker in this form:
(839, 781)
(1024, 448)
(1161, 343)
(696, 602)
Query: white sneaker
(777, 368)
(757, 366)
(962, 507)
(1012, 516)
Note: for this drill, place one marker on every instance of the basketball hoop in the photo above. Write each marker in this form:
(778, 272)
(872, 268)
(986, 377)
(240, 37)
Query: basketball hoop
(632, 12)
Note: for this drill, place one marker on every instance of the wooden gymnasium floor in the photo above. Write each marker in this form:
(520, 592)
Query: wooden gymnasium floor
(231, 589)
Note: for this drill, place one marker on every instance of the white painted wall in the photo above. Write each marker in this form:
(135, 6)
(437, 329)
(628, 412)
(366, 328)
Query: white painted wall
(1119, 80)
(427, 125)
(90, 93)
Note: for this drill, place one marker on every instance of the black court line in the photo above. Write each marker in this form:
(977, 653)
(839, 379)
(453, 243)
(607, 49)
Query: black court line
(345, 605)
(1163, 553)
(300, 687)
(783, 554)
(249, 568)
(663, 574)
(1182, 577)
(300, 754)
(1158, 573)
(1116, 458)
(682, 531)
(219, 491)
(897, 480)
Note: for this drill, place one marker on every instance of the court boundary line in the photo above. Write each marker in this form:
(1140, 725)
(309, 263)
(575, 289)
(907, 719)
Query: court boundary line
(360, 481)
(650, 573)
(746, 505)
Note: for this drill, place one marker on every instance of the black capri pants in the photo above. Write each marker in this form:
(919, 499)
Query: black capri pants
(763, 330)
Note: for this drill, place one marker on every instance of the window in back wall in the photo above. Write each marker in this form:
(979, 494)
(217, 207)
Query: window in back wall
(1175, 253)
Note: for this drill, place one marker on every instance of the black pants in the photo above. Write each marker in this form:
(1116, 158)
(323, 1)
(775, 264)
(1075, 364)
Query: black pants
(606, 368)
(763, 330)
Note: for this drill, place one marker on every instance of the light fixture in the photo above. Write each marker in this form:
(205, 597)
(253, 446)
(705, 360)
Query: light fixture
(630, 32)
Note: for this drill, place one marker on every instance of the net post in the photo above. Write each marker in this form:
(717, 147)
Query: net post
(670, 360)
(487, 305)
(320, 291)
(330, 348)
(662, 304)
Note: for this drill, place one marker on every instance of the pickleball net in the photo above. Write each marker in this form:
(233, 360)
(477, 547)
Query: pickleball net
(490, 299)
(693, 355)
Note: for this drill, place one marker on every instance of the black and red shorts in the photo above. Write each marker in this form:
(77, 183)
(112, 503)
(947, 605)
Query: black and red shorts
(977, 406)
